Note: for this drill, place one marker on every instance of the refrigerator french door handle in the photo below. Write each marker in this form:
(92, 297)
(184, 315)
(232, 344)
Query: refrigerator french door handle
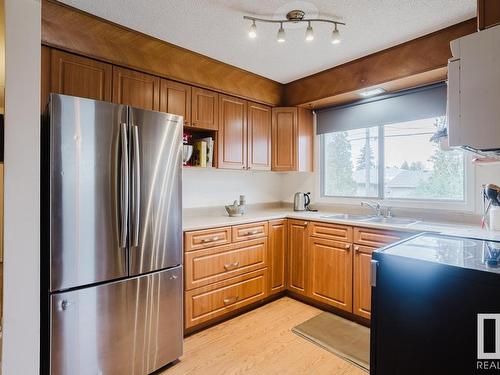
(124, 194)
(136, 185)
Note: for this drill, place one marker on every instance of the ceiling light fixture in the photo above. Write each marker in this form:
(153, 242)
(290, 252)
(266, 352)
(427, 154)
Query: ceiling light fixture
(372, 92)
(252, 33)
(281, 34)
(309, 32)
(336, 36)
(295, 16)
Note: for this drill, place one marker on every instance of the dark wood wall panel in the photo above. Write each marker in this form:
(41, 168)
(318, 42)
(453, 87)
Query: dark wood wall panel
(79, 32)
(420, 55)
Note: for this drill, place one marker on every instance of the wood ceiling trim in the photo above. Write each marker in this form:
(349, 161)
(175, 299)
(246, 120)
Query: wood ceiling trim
(417, 56)
(75, 31)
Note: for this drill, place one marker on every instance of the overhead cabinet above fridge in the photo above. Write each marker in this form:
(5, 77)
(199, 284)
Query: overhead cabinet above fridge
(473, 92)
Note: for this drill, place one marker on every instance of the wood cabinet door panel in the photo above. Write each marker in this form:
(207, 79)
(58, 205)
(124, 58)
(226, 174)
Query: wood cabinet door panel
(277, 255)
(330, 275)
(284, 139)
(259, 137)
(201, 239)
(362, 280)
(211, 301)
(329, 231)
(136, 89)
(175, 98)
(232, 147)
(214, 264)
(297, 256)
(204, 109)
(80, 76)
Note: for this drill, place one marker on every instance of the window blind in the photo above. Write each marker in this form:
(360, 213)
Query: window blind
(408, 105)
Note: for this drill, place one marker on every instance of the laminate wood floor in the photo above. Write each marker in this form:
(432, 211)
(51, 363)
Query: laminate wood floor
(260, 342)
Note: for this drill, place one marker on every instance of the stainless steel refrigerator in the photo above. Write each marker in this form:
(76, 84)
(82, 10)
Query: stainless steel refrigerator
(112, 237)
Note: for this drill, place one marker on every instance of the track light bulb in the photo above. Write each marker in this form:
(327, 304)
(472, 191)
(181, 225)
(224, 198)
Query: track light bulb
(252, 33)
(281, 34)
(309, 33)
(336, 36)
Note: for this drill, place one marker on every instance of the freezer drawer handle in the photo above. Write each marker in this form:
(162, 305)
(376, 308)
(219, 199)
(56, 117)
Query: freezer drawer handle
(229, 300)
(231, 266)
(136, 185)
(124, 186)
(373, 277)
(205, 240)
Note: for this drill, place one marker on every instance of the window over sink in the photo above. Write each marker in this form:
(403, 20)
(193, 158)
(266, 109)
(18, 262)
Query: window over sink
(393, 158)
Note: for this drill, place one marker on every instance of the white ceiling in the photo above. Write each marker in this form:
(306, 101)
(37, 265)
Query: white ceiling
(216, 28)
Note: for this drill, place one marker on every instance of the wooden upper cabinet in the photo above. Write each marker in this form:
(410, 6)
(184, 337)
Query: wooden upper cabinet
(488, 13)
(297, 256)
(292, 139)
(79, 76)
(232, 145)
(175, 98)
(362, 280)
(277, 255)
(205, 109)
(259, 137)
(330, 272)
(284, 139)
(136, 89)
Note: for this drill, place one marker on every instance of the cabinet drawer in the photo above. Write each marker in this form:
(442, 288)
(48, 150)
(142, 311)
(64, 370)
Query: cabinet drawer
(331, 231)
(249, 231)
(207, 266)
(201, 239)
(376, 238)
(208, 302)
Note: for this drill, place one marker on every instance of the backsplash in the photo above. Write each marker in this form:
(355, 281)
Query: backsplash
(217, 187)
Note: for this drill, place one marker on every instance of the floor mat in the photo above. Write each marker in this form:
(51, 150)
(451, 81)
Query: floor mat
(342, 337)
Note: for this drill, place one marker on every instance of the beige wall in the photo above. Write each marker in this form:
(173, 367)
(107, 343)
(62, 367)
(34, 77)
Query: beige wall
(21, 333)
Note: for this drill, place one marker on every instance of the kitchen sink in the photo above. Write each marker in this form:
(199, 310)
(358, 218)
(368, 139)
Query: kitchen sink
(349, 217)
(391, 220)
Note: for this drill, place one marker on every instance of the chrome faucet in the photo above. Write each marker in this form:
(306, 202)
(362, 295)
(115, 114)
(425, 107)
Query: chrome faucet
(375, 206)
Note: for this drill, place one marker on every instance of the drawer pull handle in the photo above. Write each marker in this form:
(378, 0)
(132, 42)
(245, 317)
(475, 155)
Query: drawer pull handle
(231, 266)
(347, 246)
(356, 248)
(229, 300)
(205, 240)
(252, 232)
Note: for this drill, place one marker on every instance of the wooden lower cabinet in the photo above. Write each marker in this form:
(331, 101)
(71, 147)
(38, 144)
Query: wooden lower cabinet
(209, 302)
(330, 272)
(297, 256)
(214, 264)
(362, 280)
(277, 255)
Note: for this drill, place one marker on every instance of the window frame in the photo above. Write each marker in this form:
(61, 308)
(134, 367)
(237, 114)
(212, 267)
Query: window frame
(465, 205)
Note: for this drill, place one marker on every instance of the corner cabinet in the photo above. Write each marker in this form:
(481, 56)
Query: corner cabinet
(278, 240)
(297, 256)
(292, 139)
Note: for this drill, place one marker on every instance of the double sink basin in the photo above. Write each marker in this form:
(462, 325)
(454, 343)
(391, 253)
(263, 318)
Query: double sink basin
(372, 219)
